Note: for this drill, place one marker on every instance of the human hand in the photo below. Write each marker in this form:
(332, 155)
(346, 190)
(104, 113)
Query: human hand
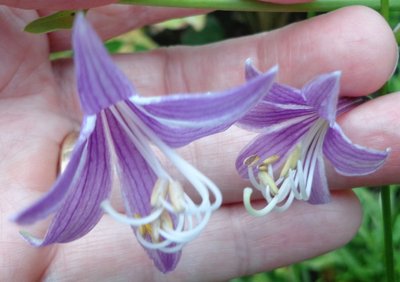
(38, 109)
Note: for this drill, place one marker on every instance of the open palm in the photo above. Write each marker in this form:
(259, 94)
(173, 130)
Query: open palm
(38, 109)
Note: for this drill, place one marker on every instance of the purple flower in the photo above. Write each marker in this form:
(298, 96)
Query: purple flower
(116, 147)
(297, 129)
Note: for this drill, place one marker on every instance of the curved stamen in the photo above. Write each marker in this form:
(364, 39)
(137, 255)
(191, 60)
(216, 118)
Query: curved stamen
(261, 212)
(107, 208)
(253, 180)
(187, 235)
(296, 176)
(152, 245)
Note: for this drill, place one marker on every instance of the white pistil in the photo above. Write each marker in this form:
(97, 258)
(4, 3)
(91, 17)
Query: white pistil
(296, 175)
(175, 219)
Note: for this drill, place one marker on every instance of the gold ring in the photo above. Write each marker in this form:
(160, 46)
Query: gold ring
(67, 146)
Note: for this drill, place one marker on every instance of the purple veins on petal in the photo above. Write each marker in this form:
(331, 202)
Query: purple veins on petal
(179, 120)
(122, 137)
(55, 197)
(80, 210)
(346, 104)
(351, 159)
(297, 128)
(136, 188)
(100, 83)
(322, 94)
(319, 193)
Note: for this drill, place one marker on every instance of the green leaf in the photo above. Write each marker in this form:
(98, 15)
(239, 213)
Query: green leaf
(212, 32)
(53, 22)
(397, 33)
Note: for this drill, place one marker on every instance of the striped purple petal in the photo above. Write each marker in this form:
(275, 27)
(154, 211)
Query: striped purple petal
(278, 143)
(273, 116)
(322, 93)
(279, 93)
(181, 119)
(137, 180)
(100, 83)
(80, 210)
(64, 183)
(346, 104)
(320, 191)
(348, 158)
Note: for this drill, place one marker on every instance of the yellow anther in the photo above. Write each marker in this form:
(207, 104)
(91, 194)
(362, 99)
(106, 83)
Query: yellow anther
(268, 161)
(267, 180)
(143, 229)
(252, 160)
(176, 195)
(291, 161)
(159, 192)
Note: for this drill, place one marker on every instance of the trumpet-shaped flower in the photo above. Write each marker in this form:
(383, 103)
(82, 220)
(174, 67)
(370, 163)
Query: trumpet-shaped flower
(297, 129)
(121, 138)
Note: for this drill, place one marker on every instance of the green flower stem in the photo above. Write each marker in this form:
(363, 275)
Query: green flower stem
(385, 7)
(385, 193)
(387, 233)
(397, 33)
(256, 6)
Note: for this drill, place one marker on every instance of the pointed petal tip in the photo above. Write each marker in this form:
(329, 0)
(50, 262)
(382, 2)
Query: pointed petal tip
(337, 73)
(30, 238)
(249, 62)
(251, 71)
(274, 69)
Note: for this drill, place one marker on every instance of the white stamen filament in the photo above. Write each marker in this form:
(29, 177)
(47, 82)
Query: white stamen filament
(296, 176)
(168, 199)
(107, 208)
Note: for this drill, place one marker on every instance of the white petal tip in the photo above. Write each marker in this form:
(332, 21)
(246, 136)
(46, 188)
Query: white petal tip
(337, 73)
(249, 62)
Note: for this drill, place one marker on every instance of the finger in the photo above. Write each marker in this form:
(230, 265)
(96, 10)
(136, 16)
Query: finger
(232, 245)
(113, 20)
(334, 41)
(85, 4)
(374, 124)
